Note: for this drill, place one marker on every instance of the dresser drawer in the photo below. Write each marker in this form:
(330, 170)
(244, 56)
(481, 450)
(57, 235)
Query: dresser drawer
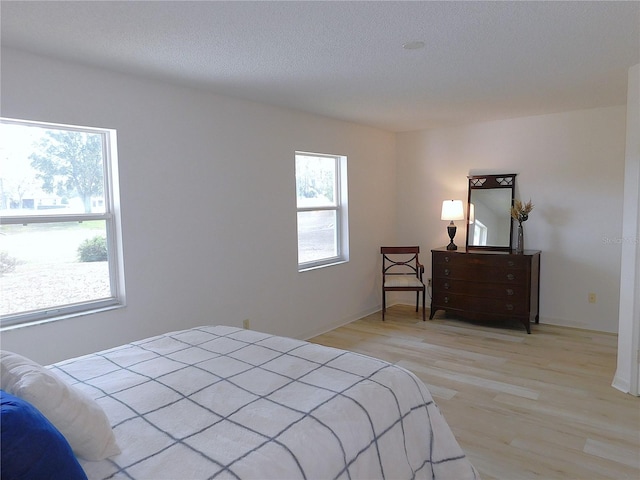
(485, 305)
(481, 274)
(467, 260)
(481, 289)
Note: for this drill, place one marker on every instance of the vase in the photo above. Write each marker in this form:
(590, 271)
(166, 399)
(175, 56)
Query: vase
(520, 242)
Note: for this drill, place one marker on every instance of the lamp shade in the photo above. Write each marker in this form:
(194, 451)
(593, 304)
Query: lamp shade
(452, 210)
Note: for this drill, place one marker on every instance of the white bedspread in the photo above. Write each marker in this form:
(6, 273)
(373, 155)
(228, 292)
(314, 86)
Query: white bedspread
(221, 402)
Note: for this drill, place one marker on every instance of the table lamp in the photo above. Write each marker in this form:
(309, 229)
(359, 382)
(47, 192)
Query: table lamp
(452, 210)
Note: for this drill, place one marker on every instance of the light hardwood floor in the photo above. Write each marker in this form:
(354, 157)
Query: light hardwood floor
(521, 406)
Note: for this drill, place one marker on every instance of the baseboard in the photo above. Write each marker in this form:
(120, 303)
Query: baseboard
(621, 384)
(341, 322)
(572, 324)
(352, 318)
(543, 320)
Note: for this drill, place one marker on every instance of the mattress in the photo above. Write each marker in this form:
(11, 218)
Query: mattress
(222, 402)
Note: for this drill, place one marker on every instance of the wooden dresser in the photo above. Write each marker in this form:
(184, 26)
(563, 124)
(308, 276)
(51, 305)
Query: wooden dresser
(486, 285)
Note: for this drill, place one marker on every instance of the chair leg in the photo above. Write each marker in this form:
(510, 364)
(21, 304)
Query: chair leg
(424, 304)
(384, 303)
(417, 299)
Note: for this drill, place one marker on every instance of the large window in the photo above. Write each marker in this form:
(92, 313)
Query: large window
(321, 190)
(60, 252)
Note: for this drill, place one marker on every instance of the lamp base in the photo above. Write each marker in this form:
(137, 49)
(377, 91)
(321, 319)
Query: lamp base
(451, 230)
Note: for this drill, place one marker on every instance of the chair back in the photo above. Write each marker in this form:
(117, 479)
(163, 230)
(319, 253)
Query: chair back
(400, 261)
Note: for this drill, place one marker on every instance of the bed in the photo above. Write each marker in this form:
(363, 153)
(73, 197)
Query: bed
(223, 402)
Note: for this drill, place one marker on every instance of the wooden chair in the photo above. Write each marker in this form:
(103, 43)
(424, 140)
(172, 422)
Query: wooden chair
(402, 271)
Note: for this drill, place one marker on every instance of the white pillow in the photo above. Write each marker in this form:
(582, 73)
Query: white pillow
(78, 417)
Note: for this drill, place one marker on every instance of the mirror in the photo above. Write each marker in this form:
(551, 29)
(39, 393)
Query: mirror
(489, 212)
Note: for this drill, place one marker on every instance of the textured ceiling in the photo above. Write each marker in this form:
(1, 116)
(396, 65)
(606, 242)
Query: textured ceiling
(481, 60)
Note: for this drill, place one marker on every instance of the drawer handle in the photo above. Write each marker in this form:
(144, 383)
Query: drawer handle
(509, 306)
(446, 286)
(510, 263)
(446, 299)
(446, 271)
(509, 292)
(446, 259)
(510, 276)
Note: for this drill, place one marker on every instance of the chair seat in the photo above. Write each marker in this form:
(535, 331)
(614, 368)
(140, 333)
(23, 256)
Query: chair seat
(402, 281)
(402, 271)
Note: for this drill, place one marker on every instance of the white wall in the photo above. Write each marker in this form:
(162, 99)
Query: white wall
(209, 210)
(208, 201)
(571, 165)
(628, 371)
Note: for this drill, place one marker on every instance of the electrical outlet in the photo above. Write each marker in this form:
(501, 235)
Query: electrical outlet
(429, 282)
(246, 324)
(592, 297)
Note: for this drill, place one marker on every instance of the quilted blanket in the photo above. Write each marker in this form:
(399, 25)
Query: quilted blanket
(222, 402)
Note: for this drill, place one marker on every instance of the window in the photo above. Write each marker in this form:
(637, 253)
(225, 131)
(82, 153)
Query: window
(60, 249)
(321, 190)
(479, 233)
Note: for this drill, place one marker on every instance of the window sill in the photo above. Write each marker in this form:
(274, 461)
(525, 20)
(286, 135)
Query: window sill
(324, 265)
(33, 323)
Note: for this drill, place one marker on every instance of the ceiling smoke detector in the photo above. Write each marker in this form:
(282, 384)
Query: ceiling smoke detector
(413, 45)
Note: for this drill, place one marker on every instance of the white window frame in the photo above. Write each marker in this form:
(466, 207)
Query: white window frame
(342, 214)
(111, 217)
(479, 233)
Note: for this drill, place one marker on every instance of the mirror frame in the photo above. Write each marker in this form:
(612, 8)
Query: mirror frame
(488, 182)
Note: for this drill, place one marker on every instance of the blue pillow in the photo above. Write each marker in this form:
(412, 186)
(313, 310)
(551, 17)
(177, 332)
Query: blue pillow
(31, 447)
